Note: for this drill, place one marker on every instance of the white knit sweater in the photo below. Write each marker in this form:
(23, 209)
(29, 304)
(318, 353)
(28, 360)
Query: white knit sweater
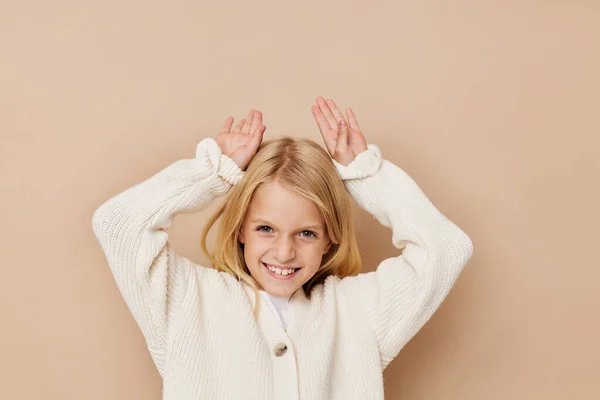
(198, 322)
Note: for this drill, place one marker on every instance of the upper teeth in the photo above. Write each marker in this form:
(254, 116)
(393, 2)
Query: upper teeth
(279, 271)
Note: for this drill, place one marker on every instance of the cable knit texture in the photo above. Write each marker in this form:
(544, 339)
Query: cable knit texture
(198, 322)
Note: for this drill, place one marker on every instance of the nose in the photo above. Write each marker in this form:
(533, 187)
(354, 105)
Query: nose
(285, 250)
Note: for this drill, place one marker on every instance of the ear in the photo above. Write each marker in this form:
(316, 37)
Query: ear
(241, 236)
(327, 247)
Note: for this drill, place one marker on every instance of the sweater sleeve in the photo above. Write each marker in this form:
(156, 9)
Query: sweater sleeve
(131, 229)
(404, 291)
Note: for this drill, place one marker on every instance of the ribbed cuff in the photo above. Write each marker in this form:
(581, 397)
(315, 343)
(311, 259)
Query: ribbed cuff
(223, 165)
(364, 164)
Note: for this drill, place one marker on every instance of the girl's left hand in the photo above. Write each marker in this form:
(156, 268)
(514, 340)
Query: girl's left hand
(343, 140)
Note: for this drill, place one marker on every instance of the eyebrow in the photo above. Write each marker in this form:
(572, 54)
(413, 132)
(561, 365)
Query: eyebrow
(264, 221)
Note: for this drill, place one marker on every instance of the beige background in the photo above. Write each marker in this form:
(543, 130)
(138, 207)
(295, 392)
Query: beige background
(492, 107)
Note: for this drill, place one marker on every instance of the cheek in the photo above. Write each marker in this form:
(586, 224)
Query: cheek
(313, 253)
(255, 247)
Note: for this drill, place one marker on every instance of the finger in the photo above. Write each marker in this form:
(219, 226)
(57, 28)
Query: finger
(257, 137)
(321, 120)
(341, 144)
(352, 119)
(226, 125)
(256, 121)
(239, 125)
(327, 112)
(335, 111)
(248, 123)
(324, 128)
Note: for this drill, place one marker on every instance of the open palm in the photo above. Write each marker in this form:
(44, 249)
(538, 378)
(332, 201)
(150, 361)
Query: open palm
(344, 139)
(242, 143)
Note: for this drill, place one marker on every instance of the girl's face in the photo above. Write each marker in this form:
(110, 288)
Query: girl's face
(284, 238)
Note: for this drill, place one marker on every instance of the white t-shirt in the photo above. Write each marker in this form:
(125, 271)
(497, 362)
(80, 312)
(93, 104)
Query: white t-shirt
(279, 307)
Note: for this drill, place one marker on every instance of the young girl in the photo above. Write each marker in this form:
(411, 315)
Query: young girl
(285, 240)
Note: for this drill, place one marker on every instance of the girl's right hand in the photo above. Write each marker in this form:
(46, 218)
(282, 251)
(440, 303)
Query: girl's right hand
(243, 142)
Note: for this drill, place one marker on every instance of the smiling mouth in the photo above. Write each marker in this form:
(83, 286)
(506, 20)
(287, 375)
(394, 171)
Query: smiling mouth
(285, 273)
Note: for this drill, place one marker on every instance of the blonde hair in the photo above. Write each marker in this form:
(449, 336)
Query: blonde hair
(304, 168)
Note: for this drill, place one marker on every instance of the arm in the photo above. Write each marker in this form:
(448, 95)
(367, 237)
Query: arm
(403, 293)
(131, 229)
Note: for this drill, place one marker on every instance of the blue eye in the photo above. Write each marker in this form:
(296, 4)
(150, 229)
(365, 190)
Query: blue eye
(268, 229)
(312, 234)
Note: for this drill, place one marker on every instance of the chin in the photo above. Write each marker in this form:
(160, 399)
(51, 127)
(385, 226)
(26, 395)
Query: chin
(280, 292)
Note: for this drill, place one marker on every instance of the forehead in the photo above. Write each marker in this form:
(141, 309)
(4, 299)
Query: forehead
(278, 205)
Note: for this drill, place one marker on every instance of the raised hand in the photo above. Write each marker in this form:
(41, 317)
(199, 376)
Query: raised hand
(343, 139)
(243, 142)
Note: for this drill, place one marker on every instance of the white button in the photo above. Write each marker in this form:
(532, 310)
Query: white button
(280, 349)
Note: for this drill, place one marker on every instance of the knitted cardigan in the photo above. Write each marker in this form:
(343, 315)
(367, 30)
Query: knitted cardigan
(198, 322)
